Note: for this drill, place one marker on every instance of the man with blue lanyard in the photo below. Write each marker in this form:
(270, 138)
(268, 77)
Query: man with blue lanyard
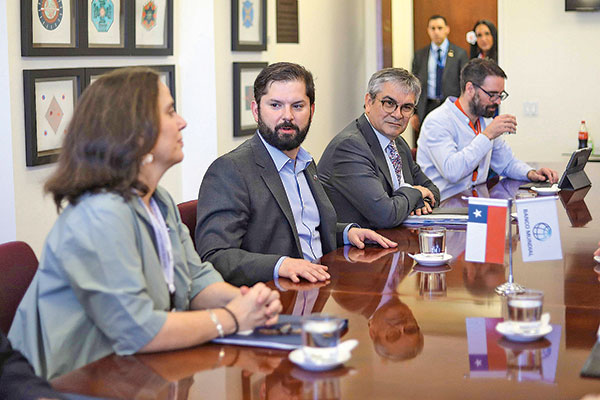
(438, 68)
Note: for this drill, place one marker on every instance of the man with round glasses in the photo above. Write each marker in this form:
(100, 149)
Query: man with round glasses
(459, 143)
(367, 169)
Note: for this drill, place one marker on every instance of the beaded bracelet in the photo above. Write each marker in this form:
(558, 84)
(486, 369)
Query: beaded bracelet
(237, 325)
(215, 320)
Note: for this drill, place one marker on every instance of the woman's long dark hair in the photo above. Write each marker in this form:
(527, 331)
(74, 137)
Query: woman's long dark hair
(115, 123)
(493, 53)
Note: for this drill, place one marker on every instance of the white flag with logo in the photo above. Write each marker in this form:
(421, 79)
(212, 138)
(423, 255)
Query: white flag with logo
(538, 229)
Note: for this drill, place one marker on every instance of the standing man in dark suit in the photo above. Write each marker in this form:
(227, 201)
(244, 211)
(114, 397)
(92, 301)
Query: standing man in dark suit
(438, 68)
(367, 169)
(262, 212)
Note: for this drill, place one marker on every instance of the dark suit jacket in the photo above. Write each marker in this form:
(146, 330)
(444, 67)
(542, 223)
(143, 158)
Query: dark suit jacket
(245, 222)
(356, 177)
(450, 77)
(17, 378)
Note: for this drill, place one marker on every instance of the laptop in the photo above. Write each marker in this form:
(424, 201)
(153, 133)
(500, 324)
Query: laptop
(574, 177)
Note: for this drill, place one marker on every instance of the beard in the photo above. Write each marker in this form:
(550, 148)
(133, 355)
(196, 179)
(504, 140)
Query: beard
(283, 142)
(482, 111)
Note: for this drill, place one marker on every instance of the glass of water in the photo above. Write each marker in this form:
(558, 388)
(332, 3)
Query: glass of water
(320, 338)
(432, 240)
(525, 308)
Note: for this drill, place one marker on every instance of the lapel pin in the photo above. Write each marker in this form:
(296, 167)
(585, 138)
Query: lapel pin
(450, 53)
(315, 178)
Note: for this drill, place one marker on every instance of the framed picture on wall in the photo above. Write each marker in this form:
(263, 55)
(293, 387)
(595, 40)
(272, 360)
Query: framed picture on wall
(50, 97)
(152, 27)
(106, 29)
(248, 25)
(244, 75)
(50, 27)
(166, 73)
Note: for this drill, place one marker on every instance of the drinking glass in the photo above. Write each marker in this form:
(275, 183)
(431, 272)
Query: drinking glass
(432, 240)
(320, 337)
(525, 308)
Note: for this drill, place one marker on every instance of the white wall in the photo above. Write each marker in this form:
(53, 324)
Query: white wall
(332, 47)
(550, 57)
(8, 227)
(194, 60)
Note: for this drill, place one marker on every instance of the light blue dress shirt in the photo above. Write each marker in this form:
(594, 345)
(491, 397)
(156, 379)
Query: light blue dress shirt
(449, 152)
(432, 66)
(303, 204)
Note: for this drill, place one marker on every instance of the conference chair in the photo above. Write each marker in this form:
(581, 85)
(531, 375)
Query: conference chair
(188, 216)
(18, 265)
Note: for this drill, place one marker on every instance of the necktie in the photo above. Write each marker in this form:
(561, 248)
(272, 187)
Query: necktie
(439, 71)
(392, 153)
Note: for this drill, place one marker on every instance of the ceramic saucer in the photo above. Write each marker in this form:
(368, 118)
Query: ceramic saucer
(543, 191)
(299, 358)
(597, 259)
(510, 331)
(431, 260)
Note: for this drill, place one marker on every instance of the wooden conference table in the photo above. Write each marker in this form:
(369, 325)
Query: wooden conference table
(421, 335)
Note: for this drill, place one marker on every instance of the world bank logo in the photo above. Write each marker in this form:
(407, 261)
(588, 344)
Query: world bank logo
(542, 231)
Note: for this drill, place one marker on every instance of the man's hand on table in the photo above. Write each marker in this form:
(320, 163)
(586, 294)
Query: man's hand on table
(359, 236)
(296, 268)
(543, 174)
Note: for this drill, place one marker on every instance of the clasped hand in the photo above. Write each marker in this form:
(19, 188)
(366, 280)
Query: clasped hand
(429, 200)
(256, 306)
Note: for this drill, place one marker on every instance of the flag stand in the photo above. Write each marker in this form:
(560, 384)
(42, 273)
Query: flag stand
(510, 286)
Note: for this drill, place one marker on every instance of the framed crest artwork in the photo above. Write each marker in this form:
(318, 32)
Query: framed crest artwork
(153, 27)
(248, 25)
(49, 27)
(106, 30)
(96, 27)
(50, 97)
(244, 75)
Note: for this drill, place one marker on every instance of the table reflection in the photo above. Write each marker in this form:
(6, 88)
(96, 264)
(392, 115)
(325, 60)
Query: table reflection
(574, 203)
(492, 356)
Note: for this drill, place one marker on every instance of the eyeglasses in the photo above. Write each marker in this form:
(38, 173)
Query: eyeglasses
(389, 106)
(493, 96)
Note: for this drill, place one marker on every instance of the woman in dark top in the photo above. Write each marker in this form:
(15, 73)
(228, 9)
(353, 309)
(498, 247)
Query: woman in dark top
(486, 43)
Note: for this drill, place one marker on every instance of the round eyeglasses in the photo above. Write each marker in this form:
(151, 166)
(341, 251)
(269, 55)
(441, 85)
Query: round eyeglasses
(389, 106)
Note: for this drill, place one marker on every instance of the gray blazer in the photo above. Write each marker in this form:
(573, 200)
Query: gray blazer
(455, 60)
(245, 222)
(356, 177)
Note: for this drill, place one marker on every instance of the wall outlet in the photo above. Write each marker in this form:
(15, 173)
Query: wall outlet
(530, 108)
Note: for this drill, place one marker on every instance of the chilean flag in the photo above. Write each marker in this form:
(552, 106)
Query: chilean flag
(486, 230)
